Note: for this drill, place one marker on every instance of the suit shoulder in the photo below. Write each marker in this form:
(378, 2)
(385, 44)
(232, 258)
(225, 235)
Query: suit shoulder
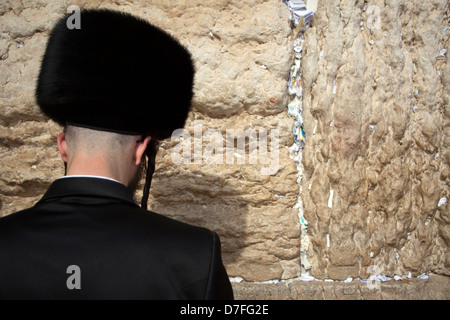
(14, 217)
(12, 225)
(170, 226)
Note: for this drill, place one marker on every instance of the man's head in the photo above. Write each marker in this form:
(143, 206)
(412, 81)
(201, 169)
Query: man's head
(102, 153)
(114, 83)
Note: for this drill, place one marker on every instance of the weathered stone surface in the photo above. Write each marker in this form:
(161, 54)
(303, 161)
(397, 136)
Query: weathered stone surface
(380, 142)
(434, 288)
(252, 213)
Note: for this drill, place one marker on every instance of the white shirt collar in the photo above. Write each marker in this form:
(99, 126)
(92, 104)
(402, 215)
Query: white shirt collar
(88, 176)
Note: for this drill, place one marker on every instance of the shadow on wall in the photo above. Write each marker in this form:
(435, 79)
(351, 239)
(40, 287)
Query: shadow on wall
(208, 201)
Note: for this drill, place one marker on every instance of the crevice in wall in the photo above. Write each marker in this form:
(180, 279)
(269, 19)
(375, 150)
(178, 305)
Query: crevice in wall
(301, 17)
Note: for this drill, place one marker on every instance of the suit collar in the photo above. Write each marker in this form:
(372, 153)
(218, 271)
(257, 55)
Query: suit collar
(88, 186)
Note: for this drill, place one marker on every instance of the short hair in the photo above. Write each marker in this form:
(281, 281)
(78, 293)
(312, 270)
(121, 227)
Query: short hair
(89, 140)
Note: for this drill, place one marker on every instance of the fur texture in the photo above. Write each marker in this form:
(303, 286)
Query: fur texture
(117, 73)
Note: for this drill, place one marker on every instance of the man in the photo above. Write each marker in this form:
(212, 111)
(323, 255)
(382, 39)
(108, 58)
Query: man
(107, 84)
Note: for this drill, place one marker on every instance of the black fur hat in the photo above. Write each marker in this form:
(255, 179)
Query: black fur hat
(117, 73)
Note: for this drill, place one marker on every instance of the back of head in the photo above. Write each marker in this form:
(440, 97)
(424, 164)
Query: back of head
(90, 142)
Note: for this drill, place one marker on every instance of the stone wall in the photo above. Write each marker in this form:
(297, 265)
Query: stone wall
(376, 121)
(434, 288)
(376, 161)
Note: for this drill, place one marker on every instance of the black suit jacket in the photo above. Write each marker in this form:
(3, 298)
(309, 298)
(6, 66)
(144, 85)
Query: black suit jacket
(121, 250)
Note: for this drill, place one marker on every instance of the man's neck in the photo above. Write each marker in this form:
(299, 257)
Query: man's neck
(94, 166)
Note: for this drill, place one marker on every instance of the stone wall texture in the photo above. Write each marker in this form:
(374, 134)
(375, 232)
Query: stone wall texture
(378, 100)
(376, 110)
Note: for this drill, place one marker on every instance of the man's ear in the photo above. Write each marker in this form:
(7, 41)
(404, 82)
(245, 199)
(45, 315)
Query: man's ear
(62, 146)
(139, 150)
